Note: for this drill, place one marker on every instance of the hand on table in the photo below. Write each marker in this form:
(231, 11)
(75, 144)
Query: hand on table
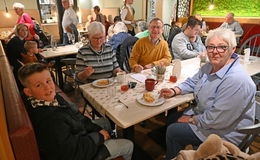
(138, 68)
(166, 93)
(117, 70)
(88, 71)
(105, 134)
(148, 66)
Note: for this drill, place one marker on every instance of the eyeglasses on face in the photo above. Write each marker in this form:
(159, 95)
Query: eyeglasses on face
(156, 27)
(98, 38)
(220, 49)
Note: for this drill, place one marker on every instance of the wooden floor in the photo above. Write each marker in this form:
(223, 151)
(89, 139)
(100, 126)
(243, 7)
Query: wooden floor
(145, 147)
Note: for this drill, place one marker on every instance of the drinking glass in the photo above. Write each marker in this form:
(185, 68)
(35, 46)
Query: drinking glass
(111, 91)
(53, 45)
(121, 77)
(73, 38)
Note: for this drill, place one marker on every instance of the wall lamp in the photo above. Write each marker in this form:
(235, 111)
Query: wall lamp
(211, 5)
(7, 14)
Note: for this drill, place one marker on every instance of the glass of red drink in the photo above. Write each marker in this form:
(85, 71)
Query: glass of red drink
(173, 78)
(124, 88)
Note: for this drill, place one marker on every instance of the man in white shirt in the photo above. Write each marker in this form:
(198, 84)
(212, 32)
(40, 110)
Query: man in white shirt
(127, 16)
(69, 23)
(233, 25)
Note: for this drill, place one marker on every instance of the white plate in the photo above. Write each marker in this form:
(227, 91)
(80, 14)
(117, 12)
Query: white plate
(158, 101)
(94, 83)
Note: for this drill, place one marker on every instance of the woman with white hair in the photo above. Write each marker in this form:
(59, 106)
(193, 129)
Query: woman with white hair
(15, 47)
(225, 96)
(120, 34)
(26, 19)
(96, 59)
(142, 28)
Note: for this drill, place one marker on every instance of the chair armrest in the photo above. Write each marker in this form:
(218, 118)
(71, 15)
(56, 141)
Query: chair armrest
(253, 129)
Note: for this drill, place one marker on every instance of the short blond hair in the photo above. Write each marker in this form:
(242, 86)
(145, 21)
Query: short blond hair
(29, 44)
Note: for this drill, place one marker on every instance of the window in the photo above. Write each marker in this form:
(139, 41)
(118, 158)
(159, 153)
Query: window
(48, 11)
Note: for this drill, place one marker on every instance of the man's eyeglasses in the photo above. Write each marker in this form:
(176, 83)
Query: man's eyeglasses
(220, 49)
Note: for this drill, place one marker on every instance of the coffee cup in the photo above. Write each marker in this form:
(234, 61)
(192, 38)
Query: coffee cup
(150, 83)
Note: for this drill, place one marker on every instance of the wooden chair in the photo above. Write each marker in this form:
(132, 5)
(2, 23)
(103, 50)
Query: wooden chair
(70, 70)
(251, 131)
(253, 43)
(124, 51)
(173, 32)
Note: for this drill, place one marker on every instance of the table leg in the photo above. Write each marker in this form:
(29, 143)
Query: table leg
(129, 133)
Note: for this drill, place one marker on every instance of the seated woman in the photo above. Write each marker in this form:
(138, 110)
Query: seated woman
(120, 34)
(110, 31)
(96, 59)
(225, 96)
(15, 48)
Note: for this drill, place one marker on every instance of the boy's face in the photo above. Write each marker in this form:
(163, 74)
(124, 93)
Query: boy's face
(33, 49)
(40, 86)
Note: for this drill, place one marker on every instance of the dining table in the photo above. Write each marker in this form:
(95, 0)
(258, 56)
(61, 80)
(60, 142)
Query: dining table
(57, 53)
(123, 108)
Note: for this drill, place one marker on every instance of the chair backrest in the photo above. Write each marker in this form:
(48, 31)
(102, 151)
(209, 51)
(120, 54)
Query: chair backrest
(173, 32)
(251, 131)
(253, 43)
(166, 31)
(255, 29)
(124, 51)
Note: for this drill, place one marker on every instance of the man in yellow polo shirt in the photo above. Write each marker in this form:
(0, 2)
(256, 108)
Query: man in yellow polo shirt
(152, 50)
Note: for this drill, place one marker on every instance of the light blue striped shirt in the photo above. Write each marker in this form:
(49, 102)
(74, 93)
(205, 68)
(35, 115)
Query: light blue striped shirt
(225, 101)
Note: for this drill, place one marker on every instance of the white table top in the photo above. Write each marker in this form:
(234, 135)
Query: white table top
(123, 108)
(253, 66)
(135, 113)
(60, 51)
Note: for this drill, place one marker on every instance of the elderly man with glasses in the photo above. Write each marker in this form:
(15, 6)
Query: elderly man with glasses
(152, 50)
(224, 95)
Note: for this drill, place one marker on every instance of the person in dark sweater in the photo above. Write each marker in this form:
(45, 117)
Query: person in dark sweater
(15, 47)
(62, 132)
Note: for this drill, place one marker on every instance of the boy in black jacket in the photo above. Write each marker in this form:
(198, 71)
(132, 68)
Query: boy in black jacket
(62, 132)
